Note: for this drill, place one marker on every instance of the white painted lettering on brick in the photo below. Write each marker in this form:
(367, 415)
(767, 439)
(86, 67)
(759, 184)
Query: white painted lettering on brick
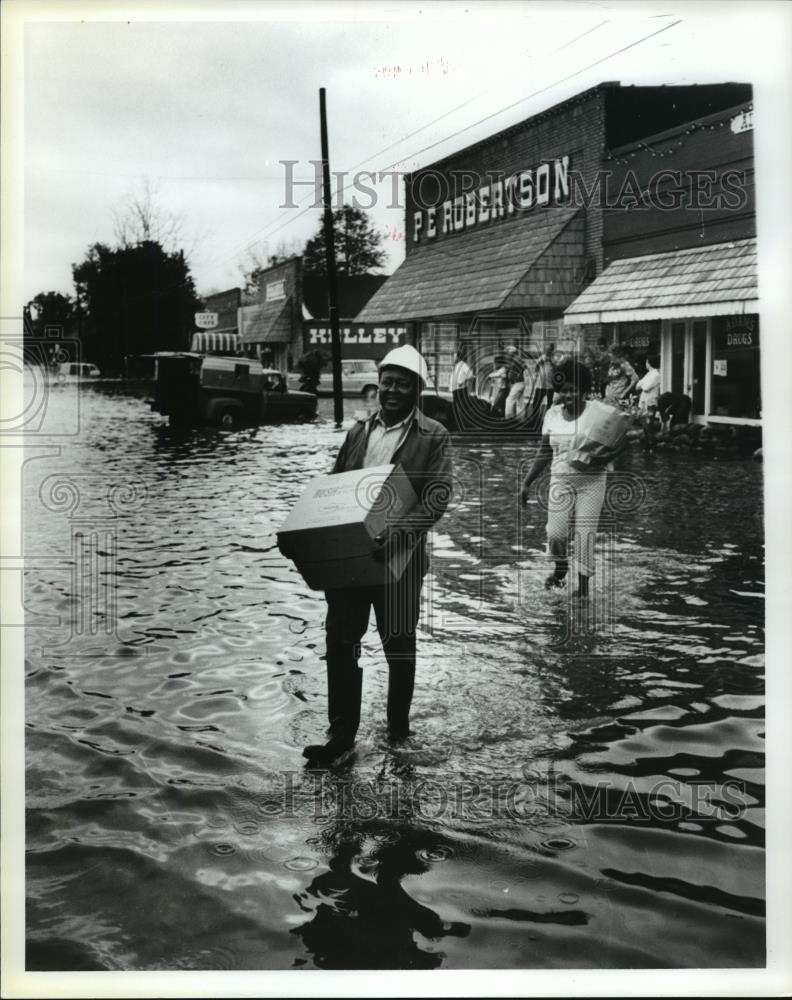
(470, 209)
(561, 179)
(448, 217)
(431, 222)
(525, 189)
(543, 184)
(484, 197)
(459, 213)
(319, 335)
(497, 199)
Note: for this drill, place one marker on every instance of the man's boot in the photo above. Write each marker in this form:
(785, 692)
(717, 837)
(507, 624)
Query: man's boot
(401, 681)
(345, 689)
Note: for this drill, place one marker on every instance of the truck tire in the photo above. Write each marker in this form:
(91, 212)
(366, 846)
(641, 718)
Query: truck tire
(229, 418)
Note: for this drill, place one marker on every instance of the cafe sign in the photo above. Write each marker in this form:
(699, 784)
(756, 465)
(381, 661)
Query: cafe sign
(206, 320)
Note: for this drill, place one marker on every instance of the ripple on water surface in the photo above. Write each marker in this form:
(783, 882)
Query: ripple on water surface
(581, 789)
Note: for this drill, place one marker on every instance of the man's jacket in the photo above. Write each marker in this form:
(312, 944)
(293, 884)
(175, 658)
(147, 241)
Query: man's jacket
(425, 456)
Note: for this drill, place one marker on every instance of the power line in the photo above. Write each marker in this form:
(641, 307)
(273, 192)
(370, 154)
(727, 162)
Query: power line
(578, 37)
(259, 233)
(293, 218)
(475, 124)
(536, 93)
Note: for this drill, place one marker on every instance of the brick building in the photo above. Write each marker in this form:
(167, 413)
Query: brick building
(223, 337)
(504, 235)
(358, 340)
(680, 281)
(271, 328)
(291, 317)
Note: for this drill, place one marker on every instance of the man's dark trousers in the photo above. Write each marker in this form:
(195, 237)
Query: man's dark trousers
(396, 608)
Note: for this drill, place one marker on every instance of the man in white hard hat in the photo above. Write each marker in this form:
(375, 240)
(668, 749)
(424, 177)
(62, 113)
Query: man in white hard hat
(397, 434)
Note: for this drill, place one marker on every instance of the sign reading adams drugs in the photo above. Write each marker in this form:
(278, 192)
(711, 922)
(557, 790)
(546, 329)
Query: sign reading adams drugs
(499, 198)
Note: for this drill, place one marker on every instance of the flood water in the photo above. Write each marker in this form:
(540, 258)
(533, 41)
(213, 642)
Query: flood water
(583, 788)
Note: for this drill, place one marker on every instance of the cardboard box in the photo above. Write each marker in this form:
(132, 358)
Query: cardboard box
(329, 533)
(600, 429)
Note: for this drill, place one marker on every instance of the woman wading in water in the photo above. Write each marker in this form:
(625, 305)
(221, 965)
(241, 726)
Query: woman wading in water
(574, 495)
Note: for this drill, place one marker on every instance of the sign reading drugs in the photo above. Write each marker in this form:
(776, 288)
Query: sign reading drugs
(500, 198)
(206, 320)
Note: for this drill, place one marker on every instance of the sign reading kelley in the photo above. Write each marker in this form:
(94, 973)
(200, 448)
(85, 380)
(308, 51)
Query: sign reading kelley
(523, 190)
(359, 334)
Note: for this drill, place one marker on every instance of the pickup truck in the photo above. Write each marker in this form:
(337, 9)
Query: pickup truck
(191, 388)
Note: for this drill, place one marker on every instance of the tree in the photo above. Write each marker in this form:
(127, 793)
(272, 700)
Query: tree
(51, 309)
(140, 217)
(50, 319)
(358, 246)
(259, 257)
(134, 300)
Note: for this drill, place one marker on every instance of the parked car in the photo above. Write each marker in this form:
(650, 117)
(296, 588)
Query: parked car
(72, 371)
(226, 391)
(359, 377)
(439, 405)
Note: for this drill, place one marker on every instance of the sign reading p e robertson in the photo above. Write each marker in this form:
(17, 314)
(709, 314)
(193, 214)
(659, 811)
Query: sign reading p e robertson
(499, 198)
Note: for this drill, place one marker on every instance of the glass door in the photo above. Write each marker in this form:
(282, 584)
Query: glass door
(678, 332)
(698, 351)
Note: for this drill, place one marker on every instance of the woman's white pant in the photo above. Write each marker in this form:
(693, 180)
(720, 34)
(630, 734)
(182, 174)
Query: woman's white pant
(575, 498)
(514, 401)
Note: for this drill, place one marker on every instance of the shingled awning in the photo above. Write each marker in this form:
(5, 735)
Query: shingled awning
(718, 280)
(523, 262)
(268, 323)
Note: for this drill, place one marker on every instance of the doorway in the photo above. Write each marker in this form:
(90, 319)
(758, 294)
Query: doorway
(685, 361)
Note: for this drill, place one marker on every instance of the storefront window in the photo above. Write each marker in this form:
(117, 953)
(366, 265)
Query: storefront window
(736, 388)
(438, 345)
(642, 341)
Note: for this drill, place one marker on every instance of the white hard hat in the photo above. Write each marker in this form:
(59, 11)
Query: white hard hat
(407, 357)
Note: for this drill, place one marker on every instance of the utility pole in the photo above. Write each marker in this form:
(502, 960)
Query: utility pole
(332, 285)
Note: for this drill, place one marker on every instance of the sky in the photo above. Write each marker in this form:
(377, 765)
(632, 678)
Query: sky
(205, 107)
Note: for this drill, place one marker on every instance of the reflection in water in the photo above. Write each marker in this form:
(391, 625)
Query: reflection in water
(368, 921)
(576, 793)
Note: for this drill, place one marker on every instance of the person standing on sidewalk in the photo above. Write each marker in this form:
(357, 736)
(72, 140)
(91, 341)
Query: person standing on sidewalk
(543, 375)
(462, 384)
(498, 379)
(621, 377)
(573, 495)
(397, 434)
(647, 404)
(515, 374)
